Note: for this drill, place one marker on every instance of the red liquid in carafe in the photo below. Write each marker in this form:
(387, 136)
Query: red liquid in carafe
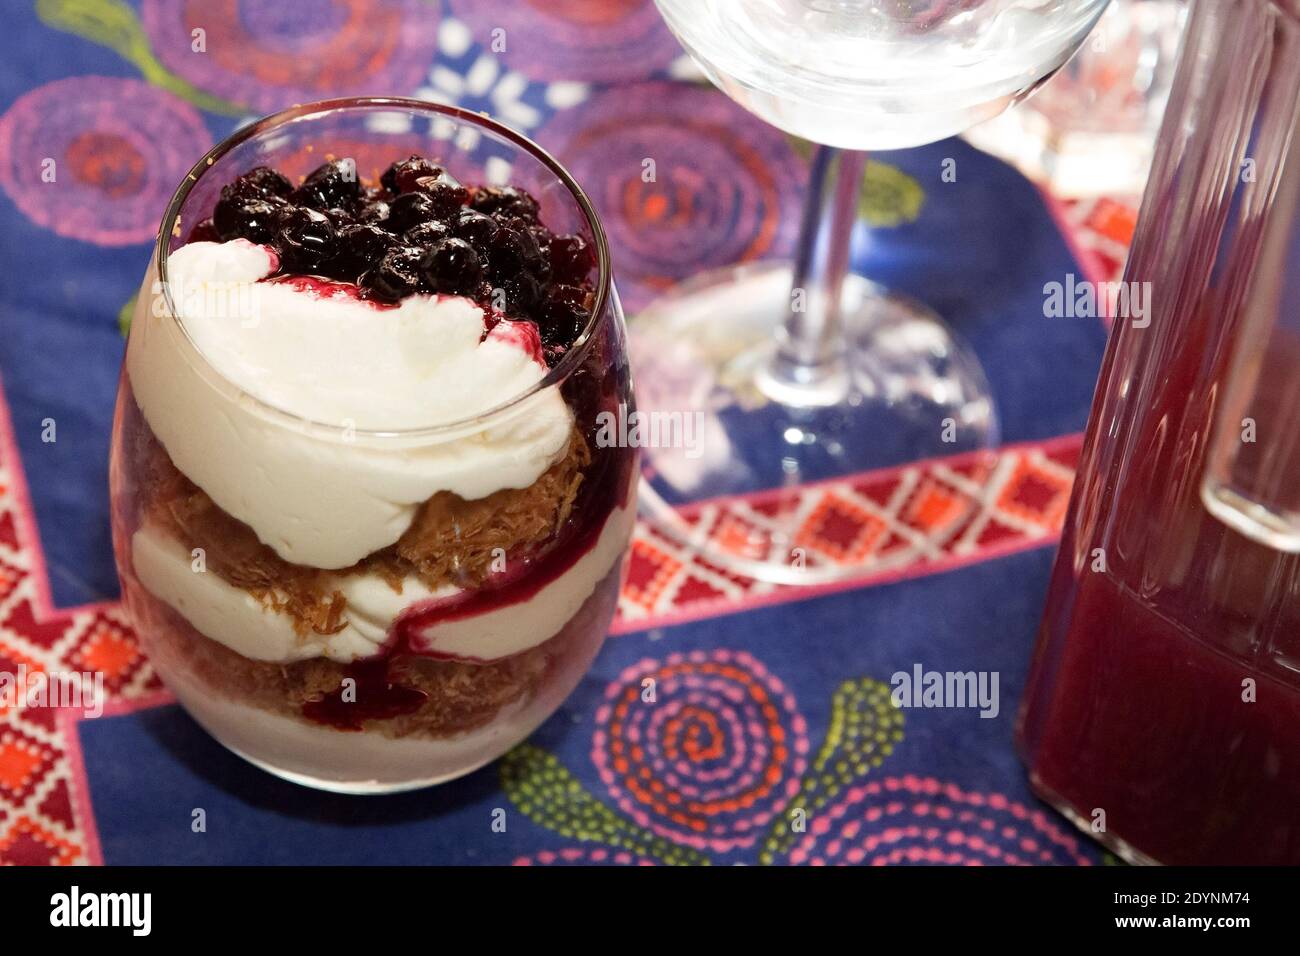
(1139, 704)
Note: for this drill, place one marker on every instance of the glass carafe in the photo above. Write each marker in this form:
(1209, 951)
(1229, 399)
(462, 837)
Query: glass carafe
(1162, 712)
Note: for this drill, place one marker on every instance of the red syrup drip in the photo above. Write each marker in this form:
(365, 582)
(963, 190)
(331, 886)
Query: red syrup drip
(604, 489)
(607, 486)
(521, 333)
(376, 698)
(328, 289)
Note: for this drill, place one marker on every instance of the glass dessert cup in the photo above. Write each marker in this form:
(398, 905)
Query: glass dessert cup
(802, 371)
(352, 603)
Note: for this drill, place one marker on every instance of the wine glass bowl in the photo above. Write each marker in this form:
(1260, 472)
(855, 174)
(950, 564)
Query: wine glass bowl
(878, 74)
(803, 371)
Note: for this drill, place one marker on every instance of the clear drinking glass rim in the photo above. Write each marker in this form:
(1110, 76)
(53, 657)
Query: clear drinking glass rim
(813, 82)
(572, 358)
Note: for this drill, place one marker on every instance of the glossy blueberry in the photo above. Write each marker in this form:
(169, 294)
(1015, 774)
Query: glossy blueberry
(452, 266)
(251, 219)
(507, 200)
(475, 228)
(402, 175)
(506, 253)
(304, 238)
(522, 293)
(536, 258)
(562, 316)
(448, 195)
(340, 217)
(409, 209)
(375, 212)
(358, 247)
(426, 233)
(258, 183)
(572, 259)
(397, 274)
(333, 184)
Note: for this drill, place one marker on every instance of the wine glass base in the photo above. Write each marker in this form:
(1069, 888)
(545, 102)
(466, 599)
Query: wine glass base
(713, 424)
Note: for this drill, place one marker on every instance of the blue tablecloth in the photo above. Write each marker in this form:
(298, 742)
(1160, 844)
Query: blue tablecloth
(103, 106)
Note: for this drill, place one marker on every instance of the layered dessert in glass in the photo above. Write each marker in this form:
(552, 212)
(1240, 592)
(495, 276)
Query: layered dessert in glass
(365, 526)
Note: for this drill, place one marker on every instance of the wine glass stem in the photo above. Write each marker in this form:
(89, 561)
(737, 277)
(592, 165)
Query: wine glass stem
(807, 366)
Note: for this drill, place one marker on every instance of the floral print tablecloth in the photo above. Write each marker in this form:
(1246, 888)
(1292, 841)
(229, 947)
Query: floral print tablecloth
(772, 703)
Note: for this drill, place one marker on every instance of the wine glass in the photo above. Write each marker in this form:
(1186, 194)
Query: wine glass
(803, 371)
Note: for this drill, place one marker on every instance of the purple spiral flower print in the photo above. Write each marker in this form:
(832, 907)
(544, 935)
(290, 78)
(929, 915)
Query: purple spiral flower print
(268, 55)
(712, 758)
(920, 820)
(594, 41)
(684, 180)
(97, 158)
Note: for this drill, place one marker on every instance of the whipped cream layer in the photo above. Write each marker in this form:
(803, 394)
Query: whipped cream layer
(318, 496)
(231, 616)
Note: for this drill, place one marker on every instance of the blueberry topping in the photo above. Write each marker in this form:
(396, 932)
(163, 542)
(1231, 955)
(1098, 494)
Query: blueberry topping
(452, 266)
(258, 183)
(358, 247)
(409, 209)
(508, 200)
(304, 238)
(398, 274)
(374, 212)
(426, 233)
(448, 195)
(506, 254)
(205, 231)
(251, 219)
(331, 185)
(401, 177)
(522, 293)
(572, 259)
(418, 231)
(563, 316)
(476, 229)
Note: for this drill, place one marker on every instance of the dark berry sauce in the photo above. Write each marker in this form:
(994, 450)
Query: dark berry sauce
(417, 231)
(608, 485)
(601, 492)
(374, 698)
(326, 289)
